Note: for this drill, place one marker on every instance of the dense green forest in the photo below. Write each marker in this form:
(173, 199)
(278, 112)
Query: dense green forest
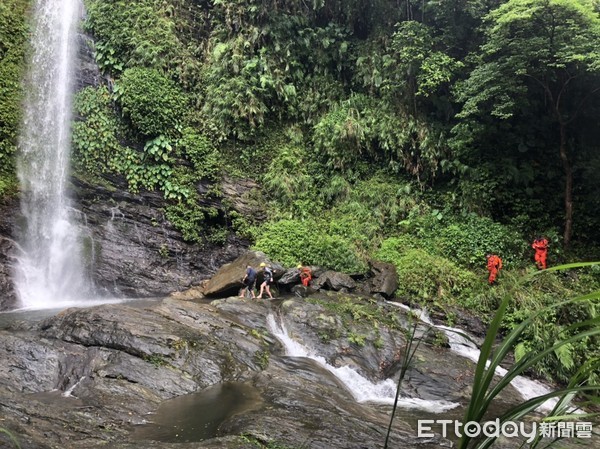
(424, 133)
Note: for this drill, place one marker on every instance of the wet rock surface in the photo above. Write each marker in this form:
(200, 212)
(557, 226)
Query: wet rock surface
(333, 280)
(8, 248)
(134, 251)
(85, 378)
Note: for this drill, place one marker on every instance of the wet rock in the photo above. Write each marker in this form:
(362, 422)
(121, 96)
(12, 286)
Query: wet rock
(84, 377)
(244, 197)
(463, 319)
(333, 280)
(290, 277)
(134, 251)
(302, 291)
(8, 295)
(383, 280)
(9, 207)
(87, 71)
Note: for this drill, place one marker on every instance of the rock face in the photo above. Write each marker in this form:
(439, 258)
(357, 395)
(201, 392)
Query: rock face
(244, 196)
(384, 279)
(85, 378)
(136, 252)
(88, 73)
(8, 208)
(332, 280)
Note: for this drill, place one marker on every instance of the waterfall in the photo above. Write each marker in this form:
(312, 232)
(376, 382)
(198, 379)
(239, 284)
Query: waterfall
(362, 389)
(464, 347)
(50, 265)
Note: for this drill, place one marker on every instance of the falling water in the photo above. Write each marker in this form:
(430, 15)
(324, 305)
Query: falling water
(465, 347)
(362, 389)
(50, 264)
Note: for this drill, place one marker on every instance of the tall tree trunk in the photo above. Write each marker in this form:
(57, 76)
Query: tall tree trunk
(566, 163)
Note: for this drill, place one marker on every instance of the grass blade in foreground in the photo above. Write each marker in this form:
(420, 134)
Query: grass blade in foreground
(482, 393)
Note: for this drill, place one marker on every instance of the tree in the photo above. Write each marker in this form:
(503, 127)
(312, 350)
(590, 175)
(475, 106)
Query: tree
(542, 51)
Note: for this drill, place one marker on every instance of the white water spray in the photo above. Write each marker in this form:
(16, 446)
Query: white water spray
(362, 389)
(50, 266)
(461, 345)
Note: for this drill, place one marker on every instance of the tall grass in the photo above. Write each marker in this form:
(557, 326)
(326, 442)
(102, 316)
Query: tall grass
(485, 391)
(410, 348)
(11, 437)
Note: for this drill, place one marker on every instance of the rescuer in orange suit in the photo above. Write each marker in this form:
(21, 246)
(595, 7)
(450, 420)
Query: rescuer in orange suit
(305, 275)
(541, 252)
(494, 264)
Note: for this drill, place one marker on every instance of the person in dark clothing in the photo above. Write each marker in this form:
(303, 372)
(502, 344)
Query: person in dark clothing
(268, 280)
(249, 281)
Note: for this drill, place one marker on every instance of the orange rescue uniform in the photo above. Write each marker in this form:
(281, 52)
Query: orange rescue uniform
(494, 264)
(305, 276)
(541, 252)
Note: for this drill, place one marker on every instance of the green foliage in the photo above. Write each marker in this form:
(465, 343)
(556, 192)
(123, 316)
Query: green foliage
(542, 292)
(261, 358)
(95, 137)
(274, 63)
(468, 241)
(13, 35)
(201, 153)
(97, 147)
(415, 67)
(538, 72)
(365, 129)
(369, 210)
(289, 182)
(152, 102)
(293, 241)
(425, 276)
(141, 33)
(191, 218)
(486, 386)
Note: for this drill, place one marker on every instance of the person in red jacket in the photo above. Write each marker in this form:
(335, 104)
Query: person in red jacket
(494, 264)
(541, 252)
(305, 275)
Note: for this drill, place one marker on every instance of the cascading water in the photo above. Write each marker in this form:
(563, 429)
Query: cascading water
(50, 265)
(361, 388)
(461, 345)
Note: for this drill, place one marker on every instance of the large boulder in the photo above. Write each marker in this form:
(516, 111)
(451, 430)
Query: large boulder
(383, 280)
(333, 280)
(290, 277)
(228, 279)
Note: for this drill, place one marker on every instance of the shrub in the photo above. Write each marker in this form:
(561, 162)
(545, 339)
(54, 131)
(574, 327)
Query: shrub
(152, 102)
(13, 34)
(467, 242)
(293, 241)
(425, 276)
(95, 136)
(289, 183)
(136, 32)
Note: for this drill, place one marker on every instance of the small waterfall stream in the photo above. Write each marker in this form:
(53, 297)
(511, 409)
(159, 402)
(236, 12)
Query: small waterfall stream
(464, 347)
(361, 388)
(50, 265)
